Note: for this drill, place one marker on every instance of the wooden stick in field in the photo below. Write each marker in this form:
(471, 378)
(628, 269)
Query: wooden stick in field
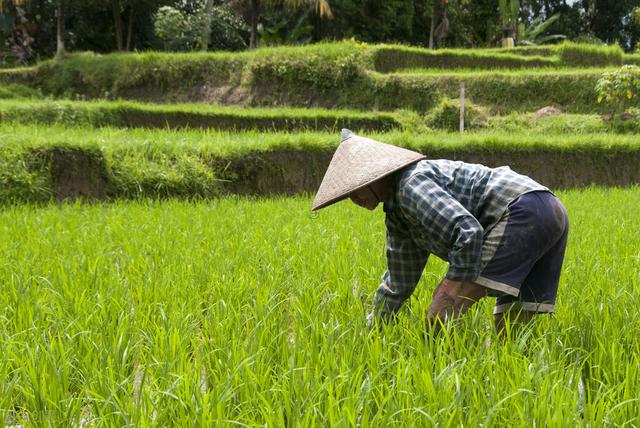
(461, 107)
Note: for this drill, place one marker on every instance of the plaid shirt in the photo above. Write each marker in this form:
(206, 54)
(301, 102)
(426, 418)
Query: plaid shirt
(442, 207)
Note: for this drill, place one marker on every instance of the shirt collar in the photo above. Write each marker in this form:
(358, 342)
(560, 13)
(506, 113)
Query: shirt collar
(391, 201)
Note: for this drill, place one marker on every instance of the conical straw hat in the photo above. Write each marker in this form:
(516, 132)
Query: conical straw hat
(358, 162)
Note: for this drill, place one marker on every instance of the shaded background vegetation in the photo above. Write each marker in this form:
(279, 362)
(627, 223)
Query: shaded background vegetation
(29, 27)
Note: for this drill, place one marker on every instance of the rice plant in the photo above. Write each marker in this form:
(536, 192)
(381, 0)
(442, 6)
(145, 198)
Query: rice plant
(251, 312)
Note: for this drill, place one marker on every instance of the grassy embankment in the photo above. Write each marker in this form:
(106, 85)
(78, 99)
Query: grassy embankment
(345, 75)
(132, 114)
(252, 313)
(566, 55)
(133, 163)
(18, 91)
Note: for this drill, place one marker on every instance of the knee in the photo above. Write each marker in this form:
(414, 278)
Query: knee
(475, 291)
(498, 322)
(460, 290)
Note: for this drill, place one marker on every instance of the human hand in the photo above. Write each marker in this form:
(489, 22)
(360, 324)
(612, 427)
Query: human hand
(443, 300)
(451, 299)
(370, 320)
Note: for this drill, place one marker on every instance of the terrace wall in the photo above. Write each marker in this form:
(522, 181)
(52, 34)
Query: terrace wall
(70, 172)
(292, 172)
(390, 59)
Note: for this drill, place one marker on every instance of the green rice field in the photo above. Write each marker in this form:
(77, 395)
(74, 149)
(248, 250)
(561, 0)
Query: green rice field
(138, 288)
(250, 312)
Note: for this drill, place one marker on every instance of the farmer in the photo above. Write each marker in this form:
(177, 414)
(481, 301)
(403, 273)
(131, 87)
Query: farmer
(503, 234)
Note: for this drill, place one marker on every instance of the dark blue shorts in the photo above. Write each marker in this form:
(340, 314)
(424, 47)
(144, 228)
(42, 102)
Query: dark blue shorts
(523, 254)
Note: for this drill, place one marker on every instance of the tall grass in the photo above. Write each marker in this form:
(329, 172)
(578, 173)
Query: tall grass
(251, 312)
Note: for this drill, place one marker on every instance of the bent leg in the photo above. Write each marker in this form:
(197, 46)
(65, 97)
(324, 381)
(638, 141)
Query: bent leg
(515, 317)
(540, 288)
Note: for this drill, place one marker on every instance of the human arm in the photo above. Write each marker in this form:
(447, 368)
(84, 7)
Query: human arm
(405, 263)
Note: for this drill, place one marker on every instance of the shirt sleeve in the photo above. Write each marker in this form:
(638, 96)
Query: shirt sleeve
(405, 263)
(447, 221)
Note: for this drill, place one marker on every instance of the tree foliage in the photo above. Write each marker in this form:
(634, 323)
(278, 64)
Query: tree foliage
(181, 29)
(108, 25)
(533, 34)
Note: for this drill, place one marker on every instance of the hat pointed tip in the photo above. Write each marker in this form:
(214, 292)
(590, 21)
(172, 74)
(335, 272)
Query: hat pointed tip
(345, 134)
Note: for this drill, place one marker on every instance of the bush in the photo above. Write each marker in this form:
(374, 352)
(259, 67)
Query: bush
(182, 31)
(619, 89)
(588, 39)
(317, 70)
(446, 116)
(590, 55)
(7, 57)
(175, 28)
(228, 30)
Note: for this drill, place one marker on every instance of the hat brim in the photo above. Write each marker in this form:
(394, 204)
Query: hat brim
(346, 195)
(358, 162)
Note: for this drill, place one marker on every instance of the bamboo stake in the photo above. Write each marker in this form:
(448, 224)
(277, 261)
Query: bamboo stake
(461, 107)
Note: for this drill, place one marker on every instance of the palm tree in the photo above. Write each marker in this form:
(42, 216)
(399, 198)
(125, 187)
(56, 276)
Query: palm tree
(118, 8)
(19, 4)
(440, 31)
(509, 10)
(14, 2)
(322, 7)
(21, 39)
(117, 22)
(60, 27)
(206, 28)
(531, 35)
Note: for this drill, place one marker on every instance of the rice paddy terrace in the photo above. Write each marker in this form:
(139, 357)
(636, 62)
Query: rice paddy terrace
(160, 265)
(280, 101)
